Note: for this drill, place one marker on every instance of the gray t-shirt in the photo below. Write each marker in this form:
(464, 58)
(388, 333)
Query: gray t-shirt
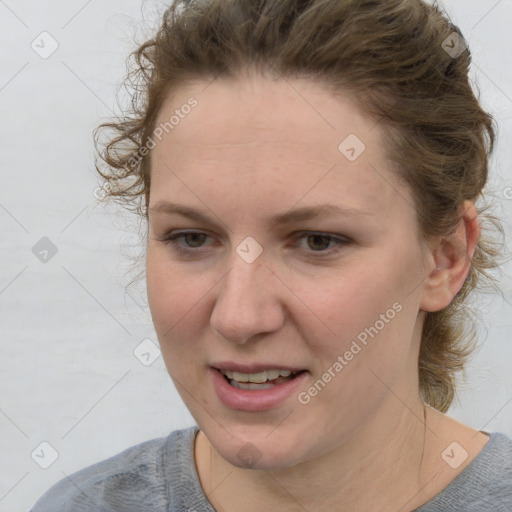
(160, 475)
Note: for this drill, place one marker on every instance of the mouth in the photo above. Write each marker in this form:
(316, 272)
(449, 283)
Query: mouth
(256, 387)
(265, 379)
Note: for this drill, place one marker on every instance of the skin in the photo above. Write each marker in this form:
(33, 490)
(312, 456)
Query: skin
(250, 149)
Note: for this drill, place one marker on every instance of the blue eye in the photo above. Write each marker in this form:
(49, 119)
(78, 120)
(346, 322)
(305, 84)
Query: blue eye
(194, 240)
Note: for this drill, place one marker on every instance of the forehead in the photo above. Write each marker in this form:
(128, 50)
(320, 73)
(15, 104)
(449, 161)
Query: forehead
(287, 139)
(249, 108)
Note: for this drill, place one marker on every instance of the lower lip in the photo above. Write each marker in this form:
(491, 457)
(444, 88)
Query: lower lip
(252, 401)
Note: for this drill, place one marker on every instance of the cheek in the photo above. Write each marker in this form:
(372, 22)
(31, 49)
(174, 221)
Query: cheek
(371, 346)
(176, 297)
(368, 304)
(345, 299)
(173, 301)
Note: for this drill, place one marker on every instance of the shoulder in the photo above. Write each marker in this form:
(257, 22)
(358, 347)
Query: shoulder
(124, 481)
(484, 485)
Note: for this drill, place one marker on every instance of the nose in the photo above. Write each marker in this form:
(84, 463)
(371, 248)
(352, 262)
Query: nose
(248, 302)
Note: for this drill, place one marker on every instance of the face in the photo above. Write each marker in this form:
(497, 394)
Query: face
(302, 256)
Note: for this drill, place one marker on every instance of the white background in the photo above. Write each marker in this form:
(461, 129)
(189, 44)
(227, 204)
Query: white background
(68, 375)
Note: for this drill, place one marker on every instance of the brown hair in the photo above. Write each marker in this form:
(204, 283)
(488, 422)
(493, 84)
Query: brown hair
(396, 60)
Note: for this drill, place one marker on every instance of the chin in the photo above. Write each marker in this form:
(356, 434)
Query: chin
(247, 457)
(258, 450)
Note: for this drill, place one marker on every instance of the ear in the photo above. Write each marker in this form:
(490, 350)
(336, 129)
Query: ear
(451, 261)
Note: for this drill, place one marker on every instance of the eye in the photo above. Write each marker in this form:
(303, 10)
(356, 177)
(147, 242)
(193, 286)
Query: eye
(316, 242)
(194, 238)
(319, 242)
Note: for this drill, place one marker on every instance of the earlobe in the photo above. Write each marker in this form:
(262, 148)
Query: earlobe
(451, 257)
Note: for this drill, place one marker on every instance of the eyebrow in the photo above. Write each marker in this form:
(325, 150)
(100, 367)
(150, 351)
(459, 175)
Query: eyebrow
(296, 215)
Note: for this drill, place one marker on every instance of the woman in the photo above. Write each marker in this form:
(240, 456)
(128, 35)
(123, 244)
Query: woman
(309, 171)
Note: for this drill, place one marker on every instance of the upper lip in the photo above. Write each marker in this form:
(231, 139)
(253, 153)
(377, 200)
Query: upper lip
(254, 367)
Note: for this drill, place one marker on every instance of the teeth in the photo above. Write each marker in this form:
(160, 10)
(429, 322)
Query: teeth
(271, 374)
(256, 378)
(251, 386)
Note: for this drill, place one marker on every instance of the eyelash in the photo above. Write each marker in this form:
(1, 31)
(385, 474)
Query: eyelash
(342, 241)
